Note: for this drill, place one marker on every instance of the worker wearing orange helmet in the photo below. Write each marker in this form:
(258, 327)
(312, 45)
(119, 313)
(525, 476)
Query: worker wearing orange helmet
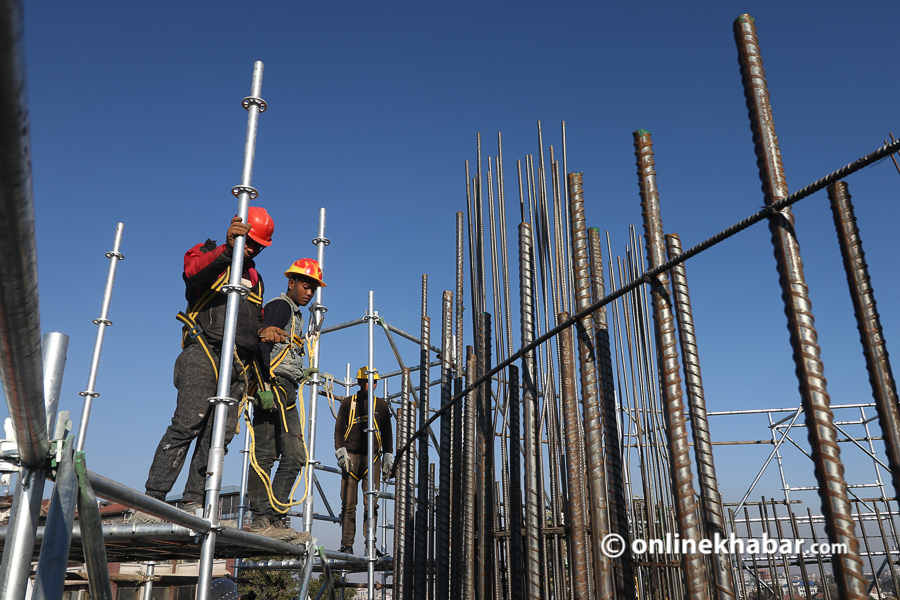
(207, 268)
(277, 430)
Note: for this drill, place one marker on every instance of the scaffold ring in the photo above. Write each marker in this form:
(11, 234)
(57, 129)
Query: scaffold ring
(103, 321)
(322, 240)
(223, 400)
(87, 394)
(249, 100)
(237, 190)
(230, 289)
(118, 255)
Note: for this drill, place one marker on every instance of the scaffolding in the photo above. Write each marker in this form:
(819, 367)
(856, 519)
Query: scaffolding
(523, 478)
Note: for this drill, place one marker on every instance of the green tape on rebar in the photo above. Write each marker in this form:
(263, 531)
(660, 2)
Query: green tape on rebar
(642, 132)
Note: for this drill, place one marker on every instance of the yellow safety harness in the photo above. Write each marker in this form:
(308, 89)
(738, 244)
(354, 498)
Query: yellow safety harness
(350, 423)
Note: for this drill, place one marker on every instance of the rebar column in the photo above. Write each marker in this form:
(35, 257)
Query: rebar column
(457, 557)
(819, 420)
(514, 506)
(400, 493)
(20, 324)
(410, 485)
(420, 585)
(484, 512)
(693, 564)
(442, 558)
(529, 401)
(253, 104)
(710, 500)
(617, 496)
(868, 322)
(590, 392)
(468, 482)
(580, 553)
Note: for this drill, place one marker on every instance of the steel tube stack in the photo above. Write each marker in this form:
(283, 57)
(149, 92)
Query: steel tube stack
(710, 500)
(244, 191)
(868, 321)
(673, 412)
(820, 422)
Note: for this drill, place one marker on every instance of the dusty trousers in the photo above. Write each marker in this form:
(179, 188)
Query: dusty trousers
(271, 443)
(196, 382)
(349, 494)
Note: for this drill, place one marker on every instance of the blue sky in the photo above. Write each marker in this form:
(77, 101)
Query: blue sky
(373, 109)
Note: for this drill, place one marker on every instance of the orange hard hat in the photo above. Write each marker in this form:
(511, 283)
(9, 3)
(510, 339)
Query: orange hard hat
(261, 225)
(307, 267)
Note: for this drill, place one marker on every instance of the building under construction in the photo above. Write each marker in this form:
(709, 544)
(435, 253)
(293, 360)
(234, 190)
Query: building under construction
(564, 450)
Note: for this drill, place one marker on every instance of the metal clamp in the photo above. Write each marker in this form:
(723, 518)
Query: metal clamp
(317, 317)
(118, 255)
(103, 321)
(223, 400)
(250, 100)
(89, 394)
(230, 289)
(321, 240)
(237, 190)
(373, 317)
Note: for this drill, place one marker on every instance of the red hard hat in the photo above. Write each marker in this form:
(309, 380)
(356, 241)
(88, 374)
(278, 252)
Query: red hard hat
(307, 267)
(261, 225)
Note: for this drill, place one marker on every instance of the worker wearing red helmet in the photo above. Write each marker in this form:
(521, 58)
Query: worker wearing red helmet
(277, 430)
(206, 269)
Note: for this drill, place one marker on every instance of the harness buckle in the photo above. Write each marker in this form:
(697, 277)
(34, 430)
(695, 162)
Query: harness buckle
(194, 331)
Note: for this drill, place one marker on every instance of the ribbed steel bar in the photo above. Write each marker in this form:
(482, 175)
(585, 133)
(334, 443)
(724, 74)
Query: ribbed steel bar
(469, 488)
(460, 302)
(868, 322)
(484, 551)
(20, 325)
(409, 496)
(102, 323)
(615, 480)
(885, 545)
(514, 499)
(828, 467)
(421, 557)
(473, 269)
(457, 558)
(401, 491)
(710, 499)
(580, 553)
(442, 557)
(590, 392)
(529, 400)
(676, 430)
(432, 501)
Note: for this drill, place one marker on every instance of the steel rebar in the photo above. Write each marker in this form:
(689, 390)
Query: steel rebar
(442, 557)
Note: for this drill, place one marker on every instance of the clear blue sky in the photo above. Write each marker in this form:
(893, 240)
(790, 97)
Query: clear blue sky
(373, 108)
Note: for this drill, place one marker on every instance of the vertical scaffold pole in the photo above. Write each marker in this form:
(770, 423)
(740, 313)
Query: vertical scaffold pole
(254, 105)
(710, 500)
(102, 323)
(676, 429)
(868, 322)
(529, 401)
(372, 491)
(829, 470)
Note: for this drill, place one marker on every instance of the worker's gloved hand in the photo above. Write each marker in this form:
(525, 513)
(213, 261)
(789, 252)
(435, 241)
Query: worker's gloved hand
(237, 228)
(387, 465)
(272, 335)
(343, 459)
(264, 399)
(307, 373)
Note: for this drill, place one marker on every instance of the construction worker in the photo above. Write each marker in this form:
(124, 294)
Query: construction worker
(277, 430)
(351, 445)
(207, 268)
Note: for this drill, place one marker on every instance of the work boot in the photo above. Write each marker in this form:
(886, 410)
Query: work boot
(273, 528)
(346, 549)
(140, 517)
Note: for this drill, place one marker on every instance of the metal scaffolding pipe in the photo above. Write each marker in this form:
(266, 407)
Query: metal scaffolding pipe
(254, 103)
(102, 323)
(590, 392)
(50, 575)
(20, 324)
(868, 321)
(828, 467)
(372, 492)
(580, 553)
(667, 357)
(710, 500)
(54, 347)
